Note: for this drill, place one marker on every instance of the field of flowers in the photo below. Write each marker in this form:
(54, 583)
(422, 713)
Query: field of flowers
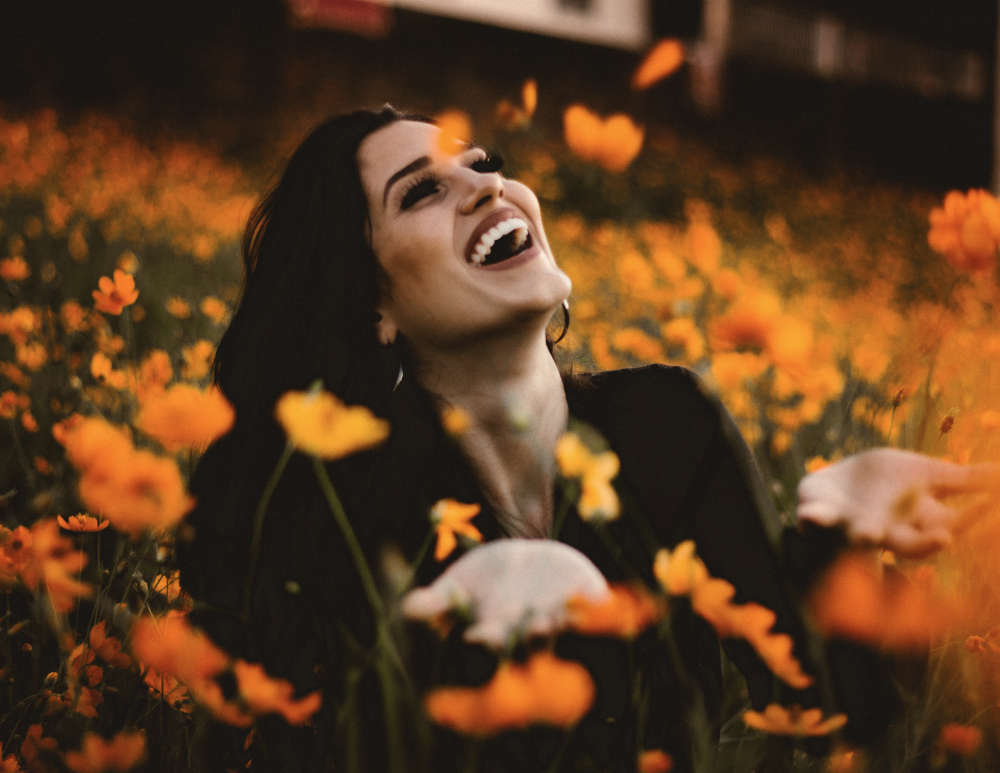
(829, 316)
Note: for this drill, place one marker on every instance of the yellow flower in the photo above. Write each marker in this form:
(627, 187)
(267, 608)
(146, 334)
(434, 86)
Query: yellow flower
(598, 499)
(681, 571)
(317, 423)
(793, 721)
(450, 517)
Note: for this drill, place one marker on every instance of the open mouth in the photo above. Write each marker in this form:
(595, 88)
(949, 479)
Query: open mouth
(503, 241)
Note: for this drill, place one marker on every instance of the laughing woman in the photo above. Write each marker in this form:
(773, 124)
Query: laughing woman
(410, 279)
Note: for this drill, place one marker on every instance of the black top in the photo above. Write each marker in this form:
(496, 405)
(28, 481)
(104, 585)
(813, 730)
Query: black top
(685, 474)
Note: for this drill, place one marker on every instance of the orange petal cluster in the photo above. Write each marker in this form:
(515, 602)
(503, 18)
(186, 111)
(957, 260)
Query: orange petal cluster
(122, 752)
(515, 116)
(966, 230)
(14, 269)
(683, 573)
(184, 416)
(793, 721)
(613, 142)
(662, 60)
(962, 740)
(317, 423)
(114, 294)
(42, 557)
(543, 690)
(134, 489)
(627, 610)
(175, 652)
(456, 131)
(451, 517)
(81, 522)
(655, 761)
(896, 613)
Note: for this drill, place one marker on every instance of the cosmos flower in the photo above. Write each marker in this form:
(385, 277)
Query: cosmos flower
(115, 294)
(319, 424)
(793, 721)
(450, 518)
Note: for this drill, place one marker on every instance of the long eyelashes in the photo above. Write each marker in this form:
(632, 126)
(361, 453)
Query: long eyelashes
(429, 183)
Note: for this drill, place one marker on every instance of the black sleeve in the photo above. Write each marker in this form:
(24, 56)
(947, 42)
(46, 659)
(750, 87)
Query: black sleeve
(698, 480)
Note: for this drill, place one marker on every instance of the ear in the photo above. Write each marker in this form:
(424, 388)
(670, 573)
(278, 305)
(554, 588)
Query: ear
(385, 327)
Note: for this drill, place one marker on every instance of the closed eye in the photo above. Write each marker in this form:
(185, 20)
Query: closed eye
(421, 188)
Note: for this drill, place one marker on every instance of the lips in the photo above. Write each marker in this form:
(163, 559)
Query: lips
(488, 222)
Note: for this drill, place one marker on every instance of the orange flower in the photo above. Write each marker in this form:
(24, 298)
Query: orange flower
(9, 764)
(115, 294)
(317, 423)
(543, 690)
(31, 355)
(82, 522)
(455, 420)
(186, 417)
(171, 646)
(214, 309)
(178, 307)
(663, 59)
(655, 761)
(101, 369)
(197, 359)
(966, 230)
(154, 373)
(142, 491)
(14, 269)
(74, 317)
(123, 752)
(625, 612)
(42, 557)
(898, 613)
(514, 116)
(613, 142)
(92, 440)
(963, 740)
(450, 518)
(264, 695)
(794, 721)
(168, 585)
(169, 689)
(108, 648)
(35, 742)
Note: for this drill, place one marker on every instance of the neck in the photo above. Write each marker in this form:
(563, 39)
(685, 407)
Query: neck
(513, 393)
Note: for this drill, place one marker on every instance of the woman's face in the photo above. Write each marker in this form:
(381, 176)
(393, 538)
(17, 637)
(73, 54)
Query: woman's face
(462, 246)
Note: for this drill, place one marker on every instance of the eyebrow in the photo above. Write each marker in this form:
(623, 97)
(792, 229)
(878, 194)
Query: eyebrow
(410, 168)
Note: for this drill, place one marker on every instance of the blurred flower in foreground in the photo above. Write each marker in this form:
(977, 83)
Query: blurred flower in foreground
(264, 695)
(511, 587)
(186, 417)
(121, 753)
(42, 557)
(896, 612)
(625, 612)
(14, 269)
(214, 309)
(662, 60)
(612, 142)
(544, 690)
(966, 230)
(794, 721)
(455, 420)
(115, 294)
(450, 518)
(317, 423)
(683, 573)
(655, 761)
(82, 522)
(598, 500)
(456, 131)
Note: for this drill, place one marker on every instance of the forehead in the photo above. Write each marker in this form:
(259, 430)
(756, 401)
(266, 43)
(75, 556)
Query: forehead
(387, 150)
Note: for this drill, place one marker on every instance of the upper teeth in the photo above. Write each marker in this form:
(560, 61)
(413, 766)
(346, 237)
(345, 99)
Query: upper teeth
(490, 237)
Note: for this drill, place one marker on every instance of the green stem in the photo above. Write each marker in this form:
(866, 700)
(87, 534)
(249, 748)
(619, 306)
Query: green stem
(367, 580)
(389, 708)
(472, 756)
(570, 493)
(417, 561)
(258, 527)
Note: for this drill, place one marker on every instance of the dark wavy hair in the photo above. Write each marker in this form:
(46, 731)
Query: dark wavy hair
(306, 313)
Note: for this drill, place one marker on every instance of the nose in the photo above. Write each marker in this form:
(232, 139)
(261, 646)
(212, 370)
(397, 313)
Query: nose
(485, 187)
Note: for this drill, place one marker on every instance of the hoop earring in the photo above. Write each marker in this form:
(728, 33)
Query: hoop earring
(399, 378)
(562, 333)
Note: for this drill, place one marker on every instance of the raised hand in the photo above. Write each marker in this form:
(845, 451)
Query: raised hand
(893, 498)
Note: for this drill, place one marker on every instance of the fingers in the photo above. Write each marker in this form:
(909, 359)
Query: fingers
(910, 541)
(948, 478)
